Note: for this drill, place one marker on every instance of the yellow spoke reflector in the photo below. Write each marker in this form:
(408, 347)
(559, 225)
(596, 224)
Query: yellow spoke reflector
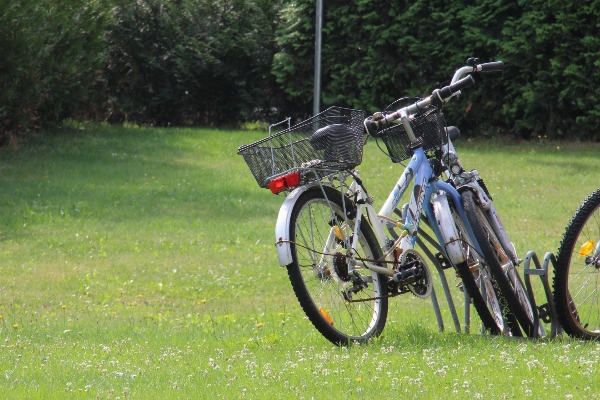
(326, 316)
(338, 233)
(587, 248)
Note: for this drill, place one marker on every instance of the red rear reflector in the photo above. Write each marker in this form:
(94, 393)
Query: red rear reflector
(284, 182)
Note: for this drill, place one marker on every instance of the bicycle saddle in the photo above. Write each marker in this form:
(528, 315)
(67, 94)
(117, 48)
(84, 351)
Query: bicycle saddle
(453, 132)
(327, 136)
(337, 141)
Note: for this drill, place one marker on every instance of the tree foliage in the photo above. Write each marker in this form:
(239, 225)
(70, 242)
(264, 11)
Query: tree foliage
(226, 61)
(52, 52)
(191, 61)
(376, 51)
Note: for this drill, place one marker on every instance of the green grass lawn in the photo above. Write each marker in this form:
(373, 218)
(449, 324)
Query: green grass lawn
(139, 263)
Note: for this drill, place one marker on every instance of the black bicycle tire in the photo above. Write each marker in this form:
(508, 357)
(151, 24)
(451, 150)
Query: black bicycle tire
(567, 313)
(506, 289)
(470, 285)
(302, 292)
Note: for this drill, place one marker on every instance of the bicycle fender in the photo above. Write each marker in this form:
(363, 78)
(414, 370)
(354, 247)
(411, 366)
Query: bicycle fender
(282, 228)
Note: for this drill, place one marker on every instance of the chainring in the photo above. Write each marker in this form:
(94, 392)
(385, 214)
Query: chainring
(421, 288)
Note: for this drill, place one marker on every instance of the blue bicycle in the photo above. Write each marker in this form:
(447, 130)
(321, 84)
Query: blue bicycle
(344, 259)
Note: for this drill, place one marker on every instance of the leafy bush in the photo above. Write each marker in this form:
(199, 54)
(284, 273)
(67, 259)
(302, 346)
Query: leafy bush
(52, 51)
(233, 61)
(191, 61)
(377, 51)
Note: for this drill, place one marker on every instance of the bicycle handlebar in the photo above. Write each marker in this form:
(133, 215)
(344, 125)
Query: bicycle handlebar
(495, 66)
(448, 91)
(438, 97)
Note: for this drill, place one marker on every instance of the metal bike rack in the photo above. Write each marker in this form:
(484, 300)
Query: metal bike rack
(444, 281)
(545, 312)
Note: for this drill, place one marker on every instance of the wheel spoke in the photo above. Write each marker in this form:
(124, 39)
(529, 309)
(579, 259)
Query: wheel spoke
(583, 284)
(577, 282)
(322, 292)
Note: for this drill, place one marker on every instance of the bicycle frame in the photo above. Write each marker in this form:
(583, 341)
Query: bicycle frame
(425, 187)
(417, 170)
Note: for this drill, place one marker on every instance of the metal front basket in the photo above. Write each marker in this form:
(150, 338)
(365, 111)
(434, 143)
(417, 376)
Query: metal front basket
(428, 127)
(307, 145)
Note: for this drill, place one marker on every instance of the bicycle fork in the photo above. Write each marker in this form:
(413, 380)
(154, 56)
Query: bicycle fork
(476, 184)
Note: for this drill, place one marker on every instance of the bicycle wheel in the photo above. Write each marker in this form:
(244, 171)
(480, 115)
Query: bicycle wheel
(343, 307)
(577, 272)
(501, 267)
(480, 285)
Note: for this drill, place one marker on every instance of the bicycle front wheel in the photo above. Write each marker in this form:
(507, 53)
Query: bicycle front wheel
(501, 267)
(577, 272)
(479, 284)
(344, 307)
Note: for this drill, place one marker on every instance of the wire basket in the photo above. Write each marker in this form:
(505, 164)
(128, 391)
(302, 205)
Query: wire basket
(331, 140)
(428, 127)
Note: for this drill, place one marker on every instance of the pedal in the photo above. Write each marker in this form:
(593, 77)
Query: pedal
(444, 262)
(544, 313)
(409, 273)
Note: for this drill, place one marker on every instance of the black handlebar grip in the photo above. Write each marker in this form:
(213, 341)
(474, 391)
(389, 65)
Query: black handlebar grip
(492, 66)
(448, 91)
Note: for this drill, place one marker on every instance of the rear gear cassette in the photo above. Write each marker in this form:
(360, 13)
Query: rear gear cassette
(340, 266)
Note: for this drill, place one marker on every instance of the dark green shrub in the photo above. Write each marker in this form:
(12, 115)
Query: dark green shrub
(188, 61)
(52, 51)
(227, 61)
(376, 51)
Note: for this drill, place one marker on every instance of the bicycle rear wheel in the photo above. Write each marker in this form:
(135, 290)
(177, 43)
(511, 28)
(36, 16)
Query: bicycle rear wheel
(501, 267)
(343, 307)
(577, 272)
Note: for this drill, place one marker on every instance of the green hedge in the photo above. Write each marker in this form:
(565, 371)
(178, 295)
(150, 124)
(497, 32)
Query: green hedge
(376, 51)
(220, 62)
(191, 61)
(51, 54)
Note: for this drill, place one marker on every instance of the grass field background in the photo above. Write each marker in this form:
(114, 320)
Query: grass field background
(138, 263)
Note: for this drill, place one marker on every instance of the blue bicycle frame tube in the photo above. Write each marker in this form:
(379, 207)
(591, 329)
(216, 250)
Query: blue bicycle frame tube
(419, 169)
(457, 201)
(413, 167)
